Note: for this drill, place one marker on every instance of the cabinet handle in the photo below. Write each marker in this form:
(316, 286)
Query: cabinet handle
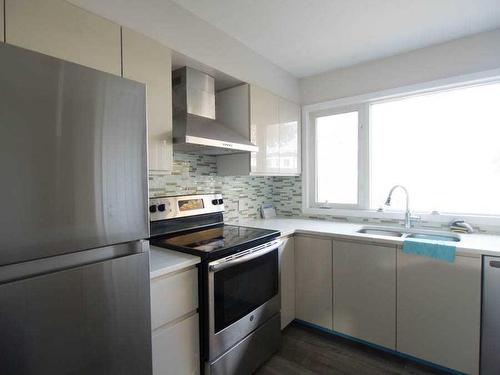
(495, 263)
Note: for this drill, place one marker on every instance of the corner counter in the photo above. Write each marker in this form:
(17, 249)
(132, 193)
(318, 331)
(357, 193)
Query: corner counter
(470, 244)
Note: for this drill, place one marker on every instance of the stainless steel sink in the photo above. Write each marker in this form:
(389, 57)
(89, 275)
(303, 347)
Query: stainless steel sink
(381, 232)
(435, 237)
(422, 235)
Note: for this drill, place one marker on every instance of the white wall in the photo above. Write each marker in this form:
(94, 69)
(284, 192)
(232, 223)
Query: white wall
(183, 32)
(472, 54)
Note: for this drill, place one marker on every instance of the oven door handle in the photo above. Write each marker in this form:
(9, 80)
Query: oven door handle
(222, 264)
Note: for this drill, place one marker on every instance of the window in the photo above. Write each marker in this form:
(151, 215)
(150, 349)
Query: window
(337, 158)
(442, 145)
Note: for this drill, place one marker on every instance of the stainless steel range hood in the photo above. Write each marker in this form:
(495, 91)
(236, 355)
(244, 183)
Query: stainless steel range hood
(195, 129)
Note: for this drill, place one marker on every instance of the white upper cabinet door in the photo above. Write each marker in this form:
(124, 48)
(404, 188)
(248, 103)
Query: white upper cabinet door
(272, 123)
(149, 62)
(289, 133)
(62, 30)
(439, 310)
(364, 291)
(264, 131)
(313, 280)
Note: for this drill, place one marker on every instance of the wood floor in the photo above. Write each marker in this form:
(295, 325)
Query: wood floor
(306, 351)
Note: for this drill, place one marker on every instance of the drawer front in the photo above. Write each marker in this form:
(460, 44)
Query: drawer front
(173, 296)
(176, 348)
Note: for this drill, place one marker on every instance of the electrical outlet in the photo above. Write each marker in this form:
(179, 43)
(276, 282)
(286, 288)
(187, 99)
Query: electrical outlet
(242, 204)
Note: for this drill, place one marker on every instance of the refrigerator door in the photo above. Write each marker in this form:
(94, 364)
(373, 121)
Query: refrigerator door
(91, 319)
(490, 323)
(73, 157)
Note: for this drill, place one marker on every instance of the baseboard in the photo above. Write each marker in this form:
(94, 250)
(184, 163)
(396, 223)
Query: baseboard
(378, 347)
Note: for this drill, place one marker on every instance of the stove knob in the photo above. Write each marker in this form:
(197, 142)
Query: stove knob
(215, 202)
(152, 208)
(161, 207)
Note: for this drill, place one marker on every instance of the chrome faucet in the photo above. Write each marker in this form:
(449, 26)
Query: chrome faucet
(408, 217)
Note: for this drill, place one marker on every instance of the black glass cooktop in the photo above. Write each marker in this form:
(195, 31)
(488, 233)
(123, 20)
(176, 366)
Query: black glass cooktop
(222, 238)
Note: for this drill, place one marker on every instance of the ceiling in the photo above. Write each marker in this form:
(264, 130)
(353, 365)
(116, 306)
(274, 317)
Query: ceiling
(313, 36)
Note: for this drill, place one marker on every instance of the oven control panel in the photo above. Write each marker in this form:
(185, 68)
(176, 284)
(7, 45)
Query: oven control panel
(162, 208)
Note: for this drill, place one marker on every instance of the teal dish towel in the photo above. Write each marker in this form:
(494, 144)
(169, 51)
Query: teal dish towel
(429, 248)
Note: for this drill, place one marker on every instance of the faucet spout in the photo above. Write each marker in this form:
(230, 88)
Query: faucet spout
(408, 216)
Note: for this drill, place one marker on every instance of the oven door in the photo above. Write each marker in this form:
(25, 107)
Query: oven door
(243, 293)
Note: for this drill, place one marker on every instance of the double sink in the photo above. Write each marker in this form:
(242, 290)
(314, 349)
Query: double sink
(423, 235)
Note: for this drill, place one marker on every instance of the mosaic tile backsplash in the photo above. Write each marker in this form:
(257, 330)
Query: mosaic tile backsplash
(243, 195)
(197, 174)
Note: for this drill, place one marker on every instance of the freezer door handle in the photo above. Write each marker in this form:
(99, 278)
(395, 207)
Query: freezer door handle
(39, 267)
(495, 263)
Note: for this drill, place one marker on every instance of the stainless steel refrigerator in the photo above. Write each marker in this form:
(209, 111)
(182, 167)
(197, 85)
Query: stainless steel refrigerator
(74, 266)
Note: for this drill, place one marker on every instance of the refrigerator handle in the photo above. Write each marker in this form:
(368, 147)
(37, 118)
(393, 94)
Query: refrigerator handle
(42, 266)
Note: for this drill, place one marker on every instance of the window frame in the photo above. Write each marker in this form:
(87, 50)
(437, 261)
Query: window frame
(362, 157)
(362, 103)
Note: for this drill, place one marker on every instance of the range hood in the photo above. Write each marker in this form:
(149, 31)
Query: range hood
(195, 129)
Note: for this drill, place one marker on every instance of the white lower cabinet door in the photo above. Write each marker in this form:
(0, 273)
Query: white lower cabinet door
(173, 296)
(364, 291)
(439, 310)
(176, 348)
(313, 280)
(287, 281)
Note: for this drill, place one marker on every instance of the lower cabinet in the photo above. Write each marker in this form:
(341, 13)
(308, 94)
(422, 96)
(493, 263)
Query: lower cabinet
(173, 296)
(313, 278)
(364, 291)
(174, 321)
(438, 310)
(287, 280)
(2, 36)
(419, 306)
(176, 348)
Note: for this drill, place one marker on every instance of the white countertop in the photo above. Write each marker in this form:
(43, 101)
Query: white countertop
(470, 244)
(163, 261)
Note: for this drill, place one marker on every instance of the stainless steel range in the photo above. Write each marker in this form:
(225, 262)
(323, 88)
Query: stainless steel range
(239, 280)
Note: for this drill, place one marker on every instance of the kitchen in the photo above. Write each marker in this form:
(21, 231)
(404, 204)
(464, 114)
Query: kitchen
(194, 188)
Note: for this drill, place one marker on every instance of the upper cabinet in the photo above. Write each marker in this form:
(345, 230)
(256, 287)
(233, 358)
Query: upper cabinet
(62, 30)
(289, 137)
(147, 61)
(271, 122)
(265, 131)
